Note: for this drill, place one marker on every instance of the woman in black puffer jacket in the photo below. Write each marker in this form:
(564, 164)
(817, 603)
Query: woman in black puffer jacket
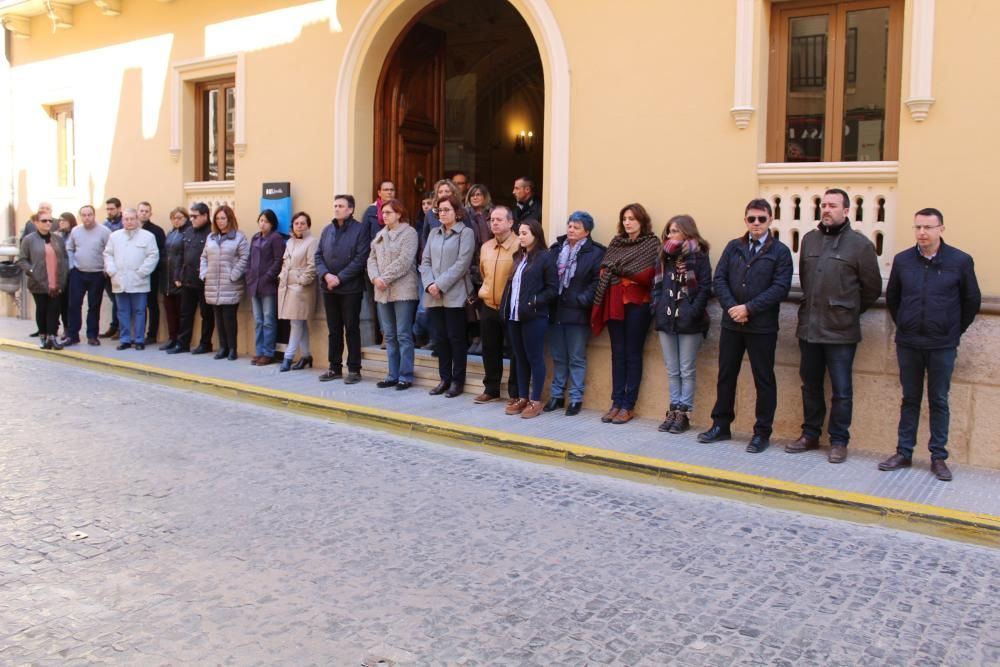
(681, 291)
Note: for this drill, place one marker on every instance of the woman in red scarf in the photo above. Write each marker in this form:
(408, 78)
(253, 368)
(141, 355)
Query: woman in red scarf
(622, 303)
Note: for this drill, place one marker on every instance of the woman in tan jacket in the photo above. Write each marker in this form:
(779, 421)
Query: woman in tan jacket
(392, 268)
(297, 290)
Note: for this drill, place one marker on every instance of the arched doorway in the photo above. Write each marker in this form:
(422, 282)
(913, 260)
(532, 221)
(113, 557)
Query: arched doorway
(461, 89)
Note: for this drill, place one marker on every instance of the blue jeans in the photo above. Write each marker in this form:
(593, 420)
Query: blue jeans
(938, 366)
(265, 318)
(396, 320)
(527, 340)
(816, 360)
(568, 347)
(90, 283)
(628, 337)
(132, 316)
(680, 356)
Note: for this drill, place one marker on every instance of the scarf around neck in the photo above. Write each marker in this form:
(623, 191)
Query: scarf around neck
(566, 264)
(625, 257)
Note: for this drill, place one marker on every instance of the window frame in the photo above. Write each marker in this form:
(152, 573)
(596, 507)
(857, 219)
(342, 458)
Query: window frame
(222, 84)
(833, 125)
(65, 144)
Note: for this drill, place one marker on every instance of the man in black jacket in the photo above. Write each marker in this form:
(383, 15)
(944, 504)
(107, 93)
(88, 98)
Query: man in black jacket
(341, 257)
(527, 205)
(752, 278)
(933, 297)
(185, 276)
(145, 211)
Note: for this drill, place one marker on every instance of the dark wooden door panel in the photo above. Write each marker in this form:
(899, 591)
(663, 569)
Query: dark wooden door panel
(409, 115)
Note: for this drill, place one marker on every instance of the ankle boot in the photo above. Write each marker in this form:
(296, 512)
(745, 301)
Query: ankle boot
(302, 363)
(286, 365)
(668, 422)
(682, 420)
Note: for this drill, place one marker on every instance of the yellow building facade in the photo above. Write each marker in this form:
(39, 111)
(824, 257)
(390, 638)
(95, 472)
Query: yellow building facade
(686, 107)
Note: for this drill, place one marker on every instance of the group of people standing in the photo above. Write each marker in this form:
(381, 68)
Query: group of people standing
(467, 261)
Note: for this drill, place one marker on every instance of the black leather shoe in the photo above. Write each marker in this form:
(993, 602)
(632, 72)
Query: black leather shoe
(940, 470)
(895, 462)
(169, 345)
(439, 389)
(232, 355)
(715, 434)
(554, 404)
(140, 346)
(454, 390)
(302, 363)
(178, 350)
(353, 377)
(202, 349)
(221, 354)
(123, 346)
(758, 443)
(573, 409)
(403, 386)
(385, 384)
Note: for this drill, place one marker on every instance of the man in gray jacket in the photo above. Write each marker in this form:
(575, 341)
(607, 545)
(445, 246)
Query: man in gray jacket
(840, 278)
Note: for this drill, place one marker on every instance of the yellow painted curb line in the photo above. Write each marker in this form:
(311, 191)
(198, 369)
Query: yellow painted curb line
(987, 524)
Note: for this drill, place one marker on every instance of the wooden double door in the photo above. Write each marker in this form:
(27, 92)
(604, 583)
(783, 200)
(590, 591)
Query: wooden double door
(409, 115)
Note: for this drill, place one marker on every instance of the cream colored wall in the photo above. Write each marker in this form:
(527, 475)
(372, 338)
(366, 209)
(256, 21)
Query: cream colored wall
(950, 160)
(645, 126)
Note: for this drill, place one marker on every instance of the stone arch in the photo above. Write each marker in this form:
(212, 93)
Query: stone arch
(370, 44)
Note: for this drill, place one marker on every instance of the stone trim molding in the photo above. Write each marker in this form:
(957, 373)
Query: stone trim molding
(743, 109)
(200, 69)
(921, 60)
(834, 172)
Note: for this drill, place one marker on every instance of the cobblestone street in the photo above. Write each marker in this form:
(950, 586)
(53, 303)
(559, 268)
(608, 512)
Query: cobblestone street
(146, 525)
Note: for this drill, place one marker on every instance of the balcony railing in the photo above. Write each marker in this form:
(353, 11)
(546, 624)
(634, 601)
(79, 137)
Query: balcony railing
(795, 192)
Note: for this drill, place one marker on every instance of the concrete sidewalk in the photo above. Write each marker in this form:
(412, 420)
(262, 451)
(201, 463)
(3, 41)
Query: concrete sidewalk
(971, 502)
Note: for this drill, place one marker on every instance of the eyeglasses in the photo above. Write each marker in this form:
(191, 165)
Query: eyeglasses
(45, 220)
(925, 228)
(751, 219)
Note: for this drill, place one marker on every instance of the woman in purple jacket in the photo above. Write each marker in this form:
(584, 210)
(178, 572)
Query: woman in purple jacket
(266, 250)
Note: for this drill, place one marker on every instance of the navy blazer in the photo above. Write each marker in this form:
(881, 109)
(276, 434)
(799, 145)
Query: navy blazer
(539, 286)
(343, 251)
(574, 304)
(932, 301)
(761, 283)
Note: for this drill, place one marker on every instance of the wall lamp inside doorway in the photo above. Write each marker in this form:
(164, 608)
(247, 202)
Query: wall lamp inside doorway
(524, 142)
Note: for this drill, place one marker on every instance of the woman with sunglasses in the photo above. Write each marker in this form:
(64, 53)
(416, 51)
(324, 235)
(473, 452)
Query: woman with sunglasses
(43, 259)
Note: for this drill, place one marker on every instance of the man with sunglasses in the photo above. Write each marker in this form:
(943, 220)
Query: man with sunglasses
(933, 297)
(752, 278)
(840, 278)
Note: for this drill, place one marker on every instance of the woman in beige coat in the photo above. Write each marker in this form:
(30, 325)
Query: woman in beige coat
(392, 268)
(297, 290)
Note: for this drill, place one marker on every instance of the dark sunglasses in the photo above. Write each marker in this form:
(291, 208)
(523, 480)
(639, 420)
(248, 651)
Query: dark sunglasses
(751, 219)
(45, 220)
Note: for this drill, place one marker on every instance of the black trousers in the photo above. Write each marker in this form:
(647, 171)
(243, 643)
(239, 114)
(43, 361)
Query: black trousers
(153, 307)
(192, 299)
(760, 348)
(225, 318)
(47, 313)
(343, 320)
(448, 332)
(494, 337)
